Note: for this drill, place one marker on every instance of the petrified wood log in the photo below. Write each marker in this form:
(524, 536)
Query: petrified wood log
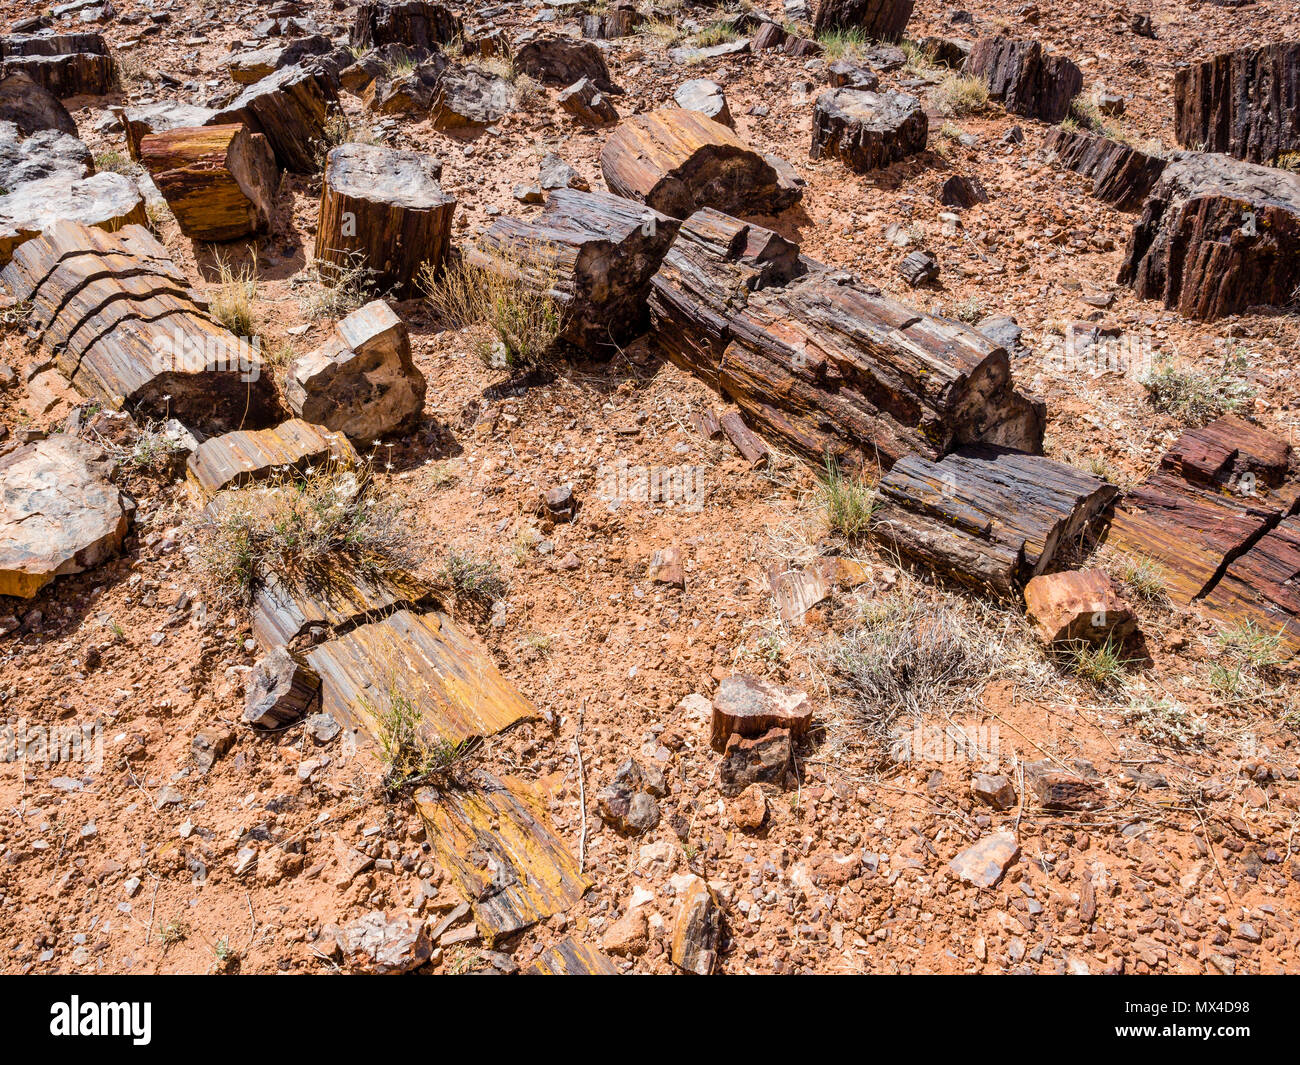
(383, 209)
(867, 130)
(219, 181)
(748, 706)
(882, 20)
(616, 22)
(988, 517)
(117, 317)
(413, 24)
(232, 460)
(1216, 236)
(592, 252)
(1262, 587)
(587, 103)
(746, 441)
(677, 161)
(289, 108)
(138, 122)
(1245, 103)
(32, 108)
(568, 957)
(1230, 453)
(1121, 176)
(67, 64)
(1026, 79)
(1078, 605)
(248, 68)
(564, 60)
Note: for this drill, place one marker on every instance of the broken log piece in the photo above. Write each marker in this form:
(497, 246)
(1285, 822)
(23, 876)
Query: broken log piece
(247, 68)
(709, 270)
(362, 381)
(32, 108)
(1244, 103)
(414, 24)
(219, 181)
(834, 369)
(587, 103)
(425, 658)
(843, 74)
(1078, 606)
(988, 517)
(748, 706)
(383, 210)
(107, 201)
(280, 690)
(556, 60)
(494, 838)
(707, 424)
(593, 253)
(568, 957)
(706, 97)
(616, 22)
(1188, 534)
(1261, 588)
(138, 122)
(751, 448)
(677, 161)
(67, 64)
(867, 130)
(1024, 78)
(245, 456)
(289, 108)
(1121, 175)
(1233, 454)
(1216, 237)
(114, 312)
(880, 20)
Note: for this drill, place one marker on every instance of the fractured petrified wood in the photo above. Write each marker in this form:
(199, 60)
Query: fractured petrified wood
(881, 20)
(592, 252)
(618, 21)
(31, 108)
(1077, 605)
(678, 161)
(68, 64)
(1217, 236)
(219, 181)
(564, 60)
(138, 122)
(248, 455)
(1027, 80)
(1262, 587)
(988, 517)
(706, 97)
(1245, 103)
(383, 210)
(1121, 175)
(867, 130)
(587, 103)
(289, 108)
(414, 24)
(1233, 454)
(117, 317)
(746, 705)
(247, 68)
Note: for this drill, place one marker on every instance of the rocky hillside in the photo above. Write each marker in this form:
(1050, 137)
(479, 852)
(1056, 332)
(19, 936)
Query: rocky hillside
(646, 487)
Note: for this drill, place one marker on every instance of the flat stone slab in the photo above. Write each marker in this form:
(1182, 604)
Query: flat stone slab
(985, 863)
(59, 513)
(245, 456)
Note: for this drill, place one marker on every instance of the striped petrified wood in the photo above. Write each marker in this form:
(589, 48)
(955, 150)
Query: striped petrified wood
(988, 517)
(248, 455)
(289, 107)
(1026, 79)
(219, 181)
(494, 839)
(117, 317)
(1121, 175)
(568, 957)
(592, 252)
(678, 161)
(65, 64)
(1262, 587)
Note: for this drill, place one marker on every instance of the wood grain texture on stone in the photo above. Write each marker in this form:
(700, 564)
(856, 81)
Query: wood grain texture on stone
(1077, 606)
(415, 24)
(881, 20)
(1122, 176)
(867, 130)
(1024, 78)
(383, 210)
(247, 455)
(748, 706)
(289, 108)
(1244, 103)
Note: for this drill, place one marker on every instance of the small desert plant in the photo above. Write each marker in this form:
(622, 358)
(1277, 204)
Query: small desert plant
(663, 30)
(14, 318)
(1289, 161)
(849, 503)
(919, 61)
(1103, 666)
(408, 754)
(512, 298)
(1087, 115)
(114, 162)
(1195, 396)
(233, 302)
(475, 579)
(1141, 576)
(1252, 645)
(338, 130)
(302, 523)
(334, 291)
(959, 94)
(970, 311)
(154, 450)
(1163, 721)
(716, 33)
(842, 44)
(173, 932)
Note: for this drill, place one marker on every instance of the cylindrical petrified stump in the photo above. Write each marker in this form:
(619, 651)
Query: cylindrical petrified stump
(867, 130)
(383, 210)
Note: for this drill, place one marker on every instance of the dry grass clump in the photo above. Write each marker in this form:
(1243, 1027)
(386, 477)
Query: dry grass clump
(842, 44)
(1103, 666)
(849, 502)
(1250, 661)
(338, 130)
(234, 301)
(302, 523)
(1193, 396)
(512, 298)
(1141, 577)
(471, 578)
(332, 291)
(960, 94)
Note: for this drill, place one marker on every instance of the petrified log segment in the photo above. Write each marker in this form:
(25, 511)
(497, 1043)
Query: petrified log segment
(138, 122)
(677, 161)
(68, 64)
(1232, 454)
(564, 60)
(1262, 587)
(495, 840)
(881, 20)
(219, 181)
(245, 456)
(115, 314)
(32, 108)
(300, 610)
(587, 103)
(616, 22)
(594, 253)
(568, 957)
(288, 108)
(746, 705)
(362, 382)
(1216, 236)
(1077, 605)
(1245, 103)
(414, 24)
(867, 130)
(1026, 79)
(247, 68)
(383, 209)
(986, 517)
(1121, 176)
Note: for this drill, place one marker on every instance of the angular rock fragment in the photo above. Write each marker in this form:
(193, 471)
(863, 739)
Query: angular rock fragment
(994, 789)
(749, 809)
(289, 108)
(843, 74)
(362, 382)
(1024, 78)
(918, 268)
(1121, 175)
(587, 103)
(1056, 788)
(571, 958)
(697, 928)
(31, 108)
(245, 456)
(468, 97)
(984, 864)
(1078, 606)
(748, 706)
(563, 60)
(628, 804)
(59, 513)
(379, 945)
(867, 130)
(667, 566)
(246, 68)
(1244, 103)
(706, 97)
(280, 690)
(961, 191)
(749, 760)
